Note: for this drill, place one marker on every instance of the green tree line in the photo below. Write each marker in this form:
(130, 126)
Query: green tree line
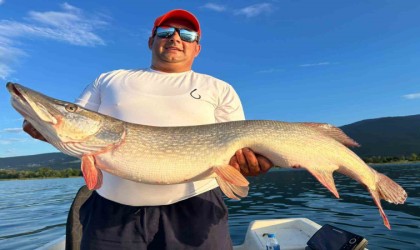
(390, 159)
(46, 172)
(43, 172)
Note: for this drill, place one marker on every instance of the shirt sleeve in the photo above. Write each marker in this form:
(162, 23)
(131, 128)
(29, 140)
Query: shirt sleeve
(230, 106)
(90, 98)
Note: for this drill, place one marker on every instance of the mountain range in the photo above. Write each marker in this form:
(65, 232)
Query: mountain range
(387, 136)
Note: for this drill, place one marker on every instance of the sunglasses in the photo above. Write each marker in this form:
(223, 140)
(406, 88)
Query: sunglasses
(186, 35)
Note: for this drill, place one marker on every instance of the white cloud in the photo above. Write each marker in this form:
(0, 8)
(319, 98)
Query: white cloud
(12, 140)
(270, 70)
(315, 64)
(7, 120)
(12, 130)
(8, 55)
(70, 25)
(5, 71)
(255, 10)
(69, 7)
(412, 96)
(215, 7)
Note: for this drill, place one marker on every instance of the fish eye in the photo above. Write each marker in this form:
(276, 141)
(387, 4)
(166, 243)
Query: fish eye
(71, 108)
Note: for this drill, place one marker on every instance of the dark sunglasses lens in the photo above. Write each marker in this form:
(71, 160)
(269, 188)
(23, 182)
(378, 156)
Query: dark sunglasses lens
(187, 35)
(164, 32)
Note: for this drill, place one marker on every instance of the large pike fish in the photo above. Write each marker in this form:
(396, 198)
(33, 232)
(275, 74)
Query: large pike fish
(169, 155)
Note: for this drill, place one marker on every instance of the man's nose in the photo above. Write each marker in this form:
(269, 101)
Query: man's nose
(175, 37)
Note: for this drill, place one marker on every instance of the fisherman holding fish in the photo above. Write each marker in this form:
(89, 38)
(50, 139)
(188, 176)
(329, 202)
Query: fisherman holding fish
(124, 214)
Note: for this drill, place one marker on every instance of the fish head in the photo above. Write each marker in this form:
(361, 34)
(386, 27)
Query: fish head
(58, 121)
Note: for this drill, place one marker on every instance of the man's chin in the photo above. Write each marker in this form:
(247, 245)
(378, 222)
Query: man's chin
(172, 59)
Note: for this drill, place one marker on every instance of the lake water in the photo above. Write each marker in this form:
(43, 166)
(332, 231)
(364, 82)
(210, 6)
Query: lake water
(34, 212)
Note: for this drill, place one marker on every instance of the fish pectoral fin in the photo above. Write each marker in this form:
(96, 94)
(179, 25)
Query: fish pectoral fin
(231, 181)
(91, 174)
(326, 179)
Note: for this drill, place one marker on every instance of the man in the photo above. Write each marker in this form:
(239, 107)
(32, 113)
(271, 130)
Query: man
(123, 214)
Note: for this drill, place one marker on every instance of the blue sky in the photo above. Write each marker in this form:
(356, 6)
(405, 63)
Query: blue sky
(333, 61)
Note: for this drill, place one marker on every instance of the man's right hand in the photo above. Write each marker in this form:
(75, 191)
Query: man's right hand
(28, 128)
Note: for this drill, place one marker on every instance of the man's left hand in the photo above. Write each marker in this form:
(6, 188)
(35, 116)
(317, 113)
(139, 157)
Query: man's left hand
(250, 163)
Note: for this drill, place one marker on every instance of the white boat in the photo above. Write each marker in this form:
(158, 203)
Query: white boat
(292, 234)
(58, 244)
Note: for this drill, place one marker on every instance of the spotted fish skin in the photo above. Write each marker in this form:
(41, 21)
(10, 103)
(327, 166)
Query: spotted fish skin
(170, 155)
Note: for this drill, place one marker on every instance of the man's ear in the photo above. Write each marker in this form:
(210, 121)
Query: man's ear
(197, 49)
(150, 42)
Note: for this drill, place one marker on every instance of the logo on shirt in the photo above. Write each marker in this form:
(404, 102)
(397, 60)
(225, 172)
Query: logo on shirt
(195, 95)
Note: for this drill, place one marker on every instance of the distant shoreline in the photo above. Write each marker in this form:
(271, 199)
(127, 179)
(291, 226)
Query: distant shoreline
(38, 178)
(74, 175)
(40, 173)
(395, 163)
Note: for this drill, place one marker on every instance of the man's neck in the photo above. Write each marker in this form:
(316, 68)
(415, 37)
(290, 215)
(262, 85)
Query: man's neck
(170, 68)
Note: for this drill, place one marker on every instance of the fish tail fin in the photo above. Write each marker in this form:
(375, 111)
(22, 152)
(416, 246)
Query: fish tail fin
(390, 191)
(376, 198)
(326, 179)
(91, 174)
(231, 181)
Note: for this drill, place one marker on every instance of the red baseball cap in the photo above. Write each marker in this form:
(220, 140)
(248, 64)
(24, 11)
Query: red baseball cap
(180, 15)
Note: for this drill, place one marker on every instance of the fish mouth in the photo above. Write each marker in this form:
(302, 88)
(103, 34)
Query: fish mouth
(16, 93)
(18, 100)
(29, 108)
(14, 90)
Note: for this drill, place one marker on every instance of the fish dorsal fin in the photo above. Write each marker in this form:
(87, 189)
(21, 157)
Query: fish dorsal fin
(333, 132)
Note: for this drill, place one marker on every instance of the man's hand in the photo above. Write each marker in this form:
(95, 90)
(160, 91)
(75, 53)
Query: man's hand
(28, 128)
(249, 163)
